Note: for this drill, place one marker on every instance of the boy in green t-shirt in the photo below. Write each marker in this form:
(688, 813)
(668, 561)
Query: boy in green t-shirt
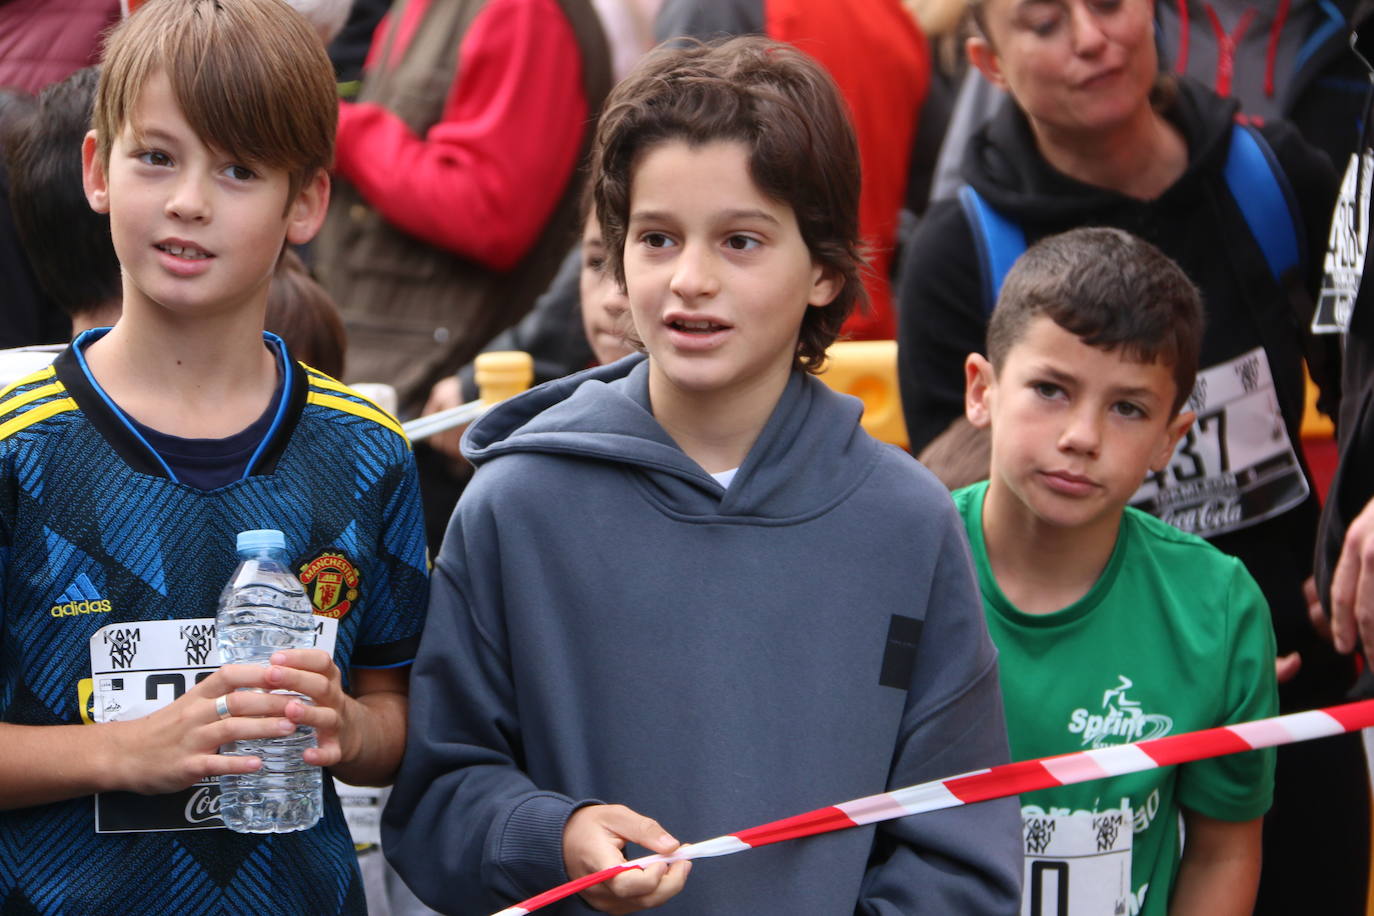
(1113, 627)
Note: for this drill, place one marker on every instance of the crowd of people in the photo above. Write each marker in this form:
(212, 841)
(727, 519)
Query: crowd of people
(675, 590)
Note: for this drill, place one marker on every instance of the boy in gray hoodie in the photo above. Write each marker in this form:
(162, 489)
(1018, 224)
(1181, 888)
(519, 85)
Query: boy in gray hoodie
(690, 585)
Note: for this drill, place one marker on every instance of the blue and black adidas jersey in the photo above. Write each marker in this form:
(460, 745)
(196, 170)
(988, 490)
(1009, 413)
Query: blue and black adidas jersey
(103, 551)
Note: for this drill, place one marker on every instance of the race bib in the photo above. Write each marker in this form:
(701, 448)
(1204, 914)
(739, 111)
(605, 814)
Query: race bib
(362, 808)
(1346, 249)
(138, 668)
(1236, 465)
(1077, 864)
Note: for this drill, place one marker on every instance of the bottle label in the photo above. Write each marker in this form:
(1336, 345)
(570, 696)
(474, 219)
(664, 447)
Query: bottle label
(139, 667)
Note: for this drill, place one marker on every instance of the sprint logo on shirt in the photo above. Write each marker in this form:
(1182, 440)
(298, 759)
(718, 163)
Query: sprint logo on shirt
(80, 598)
(1120, 721)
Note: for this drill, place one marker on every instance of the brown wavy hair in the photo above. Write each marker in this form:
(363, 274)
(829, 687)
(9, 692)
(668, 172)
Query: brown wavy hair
(787, 110)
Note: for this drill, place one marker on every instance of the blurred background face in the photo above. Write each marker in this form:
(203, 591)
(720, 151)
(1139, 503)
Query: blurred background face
(605, 310)
(1072, 65)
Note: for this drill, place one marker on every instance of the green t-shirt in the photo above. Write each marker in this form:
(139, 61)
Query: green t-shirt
(1174, 637)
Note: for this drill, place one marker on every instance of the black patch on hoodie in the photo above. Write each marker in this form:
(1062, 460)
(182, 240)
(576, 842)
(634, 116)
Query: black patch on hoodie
(903, 635)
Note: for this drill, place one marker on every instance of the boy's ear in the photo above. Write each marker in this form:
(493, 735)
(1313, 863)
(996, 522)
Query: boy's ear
(981, 54)
(306, 213)
(1174, 432)
(825, 285)
(93, 175)
(979, 379)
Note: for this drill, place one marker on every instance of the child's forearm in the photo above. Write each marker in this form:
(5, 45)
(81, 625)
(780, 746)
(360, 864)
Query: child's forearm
(1219, 872)
(51, 763)
(380, 737)
(164, 751)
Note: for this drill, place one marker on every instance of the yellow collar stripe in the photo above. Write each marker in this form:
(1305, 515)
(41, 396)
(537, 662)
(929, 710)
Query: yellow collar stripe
(28, 397)
(357, 410)
(37, 415)
(328, 384)
(38, 376)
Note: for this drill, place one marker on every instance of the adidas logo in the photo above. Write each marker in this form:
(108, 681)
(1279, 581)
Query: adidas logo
(80, 598)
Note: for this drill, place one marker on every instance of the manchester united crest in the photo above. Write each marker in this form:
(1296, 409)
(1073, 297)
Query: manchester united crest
(331, 581)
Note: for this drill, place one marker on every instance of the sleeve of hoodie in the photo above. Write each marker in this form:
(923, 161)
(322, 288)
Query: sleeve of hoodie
(1315, 184)
(940, 320)
(483, 181)
(465, 827)
(965, 859)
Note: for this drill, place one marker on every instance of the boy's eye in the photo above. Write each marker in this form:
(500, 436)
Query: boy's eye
(595, 263)
(1127, 409)
(1047, 389)
(240, 172)
(655, 240)
(742, 243)
(154, 157)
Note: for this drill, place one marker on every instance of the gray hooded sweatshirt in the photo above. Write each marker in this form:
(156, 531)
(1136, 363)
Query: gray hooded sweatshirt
(607, 623)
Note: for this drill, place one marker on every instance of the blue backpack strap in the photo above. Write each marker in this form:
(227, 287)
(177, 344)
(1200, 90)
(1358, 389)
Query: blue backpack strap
(1265, 199)
(1253, 177)
(999, 241)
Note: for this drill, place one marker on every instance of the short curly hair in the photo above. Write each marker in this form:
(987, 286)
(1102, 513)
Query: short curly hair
(802, 151)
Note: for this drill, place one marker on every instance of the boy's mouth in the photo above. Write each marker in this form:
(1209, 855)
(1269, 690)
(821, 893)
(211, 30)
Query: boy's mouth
(183, 250)
(696, 326)
(1069, 483)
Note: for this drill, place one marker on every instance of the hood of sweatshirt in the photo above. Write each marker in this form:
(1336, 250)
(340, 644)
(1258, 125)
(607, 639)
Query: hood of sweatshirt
(811, 453)
(1003, 164)
(1262, 54)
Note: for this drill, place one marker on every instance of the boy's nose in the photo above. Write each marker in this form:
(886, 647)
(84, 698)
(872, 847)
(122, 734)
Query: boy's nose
(1082, 433)
(189, 201)
(694, 274)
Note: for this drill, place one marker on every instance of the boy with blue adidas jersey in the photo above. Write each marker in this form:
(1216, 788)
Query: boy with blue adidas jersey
(1112, 626)
(126, 469)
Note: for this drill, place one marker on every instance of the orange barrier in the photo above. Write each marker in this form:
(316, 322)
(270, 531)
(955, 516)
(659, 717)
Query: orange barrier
(1314, 425)
(867, 369)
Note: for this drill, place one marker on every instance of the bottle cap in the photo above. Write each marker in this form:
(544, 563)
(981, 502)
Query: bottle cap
(261, 539)
(502, 374)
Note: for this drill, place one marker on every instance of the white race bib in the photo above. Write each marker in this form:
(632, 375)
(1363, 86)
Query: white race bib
(1346, 249)
(138, 668)
(1236, 465)
(1077, 864)
(362, 807)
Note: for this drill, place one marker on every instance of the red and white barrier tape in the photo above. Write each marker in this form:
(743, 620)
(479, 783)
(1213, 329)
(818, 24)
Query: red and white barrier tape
(1000, 782)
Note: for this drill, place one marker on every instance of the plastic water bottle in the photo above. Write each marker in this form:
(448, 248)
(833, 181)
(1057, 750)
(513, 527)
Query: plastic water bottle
(264, 609)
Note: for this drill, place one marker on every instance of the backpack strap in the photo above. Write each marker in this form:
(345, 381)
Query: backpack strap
(1253, 177)
(999, 240)
(1262, 192)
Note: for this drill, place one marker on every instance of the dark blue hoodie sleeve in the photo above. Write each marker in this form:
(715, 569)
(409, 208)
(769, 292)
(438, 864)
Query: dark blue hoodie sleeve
(465, 827)
(966, 859)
